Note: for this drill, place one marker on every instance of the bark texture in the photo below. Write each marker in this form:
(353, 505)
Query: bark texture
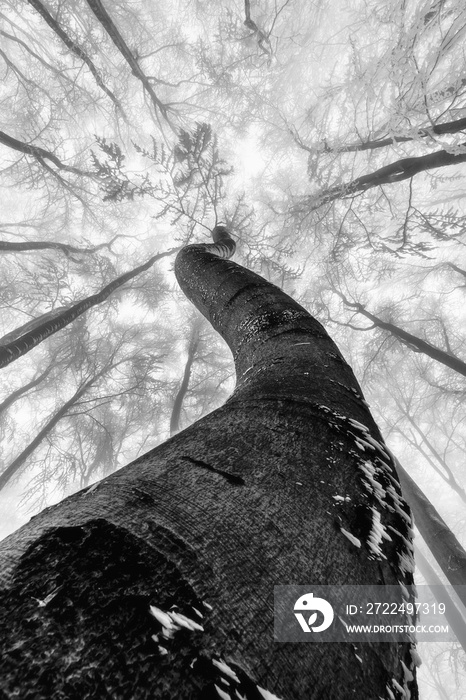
(202, 527)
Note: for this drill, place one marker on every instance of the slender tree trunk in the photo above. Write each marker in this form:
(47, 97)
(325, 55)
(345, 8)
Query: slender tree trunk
(443, 544)
(453, 615)
(402, 169)
(183, 388)
(30, 326)
(26, 246)
(18, 393)
(443, 470)
(202, 527)
(106, 21)
(40, 154)
(456, 268)
(76, 50)
(18, 462)
(20, 346)
(262, 39)
(412, 341)
(452, 127)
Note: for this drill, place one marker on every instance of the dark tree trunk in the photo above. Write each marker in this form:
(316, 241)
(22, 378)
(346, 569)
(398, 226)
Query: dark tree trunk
(453, 615)
(39, 154)
(27, 246)
(410, 340)
(208, 522)
(452, 127)
(402, 169)
(44, 329)
(448, 552)
(108, 24)
(440, 466)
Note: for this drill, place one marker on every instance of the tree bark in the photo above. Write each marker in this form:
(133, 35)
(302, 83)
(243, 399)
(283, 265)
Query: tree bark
(76, 50)
(20, 346)
(402, 169)
(208, 522)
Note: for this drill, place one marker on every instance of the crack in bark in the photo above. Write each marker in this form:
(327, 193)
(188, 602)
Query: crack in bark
(232, 478)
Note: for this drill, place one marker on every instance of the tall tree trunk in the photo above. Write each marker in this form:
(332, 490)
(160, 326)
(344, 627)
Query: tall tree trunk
(443, 470)
(452, 127)
(40, 154)
(452, 613)
(44, 329)
(76, 50)
(26, 246)
(18, 393)
(183, 388)
(402, 169)
(46, 429)
(410, 340)
(202, 527)
(108, 24)
(448, 552)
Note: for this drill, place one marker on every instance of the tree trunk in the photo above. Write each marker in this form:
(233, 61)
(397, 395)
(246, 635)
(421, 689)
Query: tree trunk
(40, 154)
(452, 127)
(76, 50)
(402, 169)
(26, 246)
(18, 462)
(18, 393)
(412, 341)
(452, 613)
(206, 524)
(443, 470)
(20, 346)
(183, 388)
(443, 544)
(106, 21)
